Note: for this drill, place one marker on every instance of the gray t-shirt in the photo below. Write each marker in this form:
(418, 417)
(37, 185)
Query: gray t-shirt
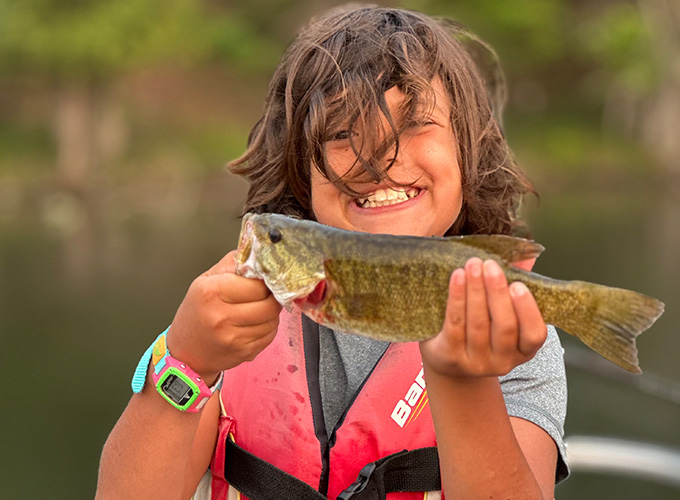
(535, 391)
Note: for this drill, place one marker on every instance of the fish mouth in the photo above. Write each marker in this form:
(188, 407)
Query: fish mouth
(247, 246)
(296, 297)
(314, 299)
(386, 196)
(248, 266)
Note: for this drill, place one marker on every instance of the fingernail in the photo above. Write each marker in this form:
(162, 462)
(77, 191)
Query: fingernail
(459, 277)
(475, 267)
(491, 268)
(517, 289)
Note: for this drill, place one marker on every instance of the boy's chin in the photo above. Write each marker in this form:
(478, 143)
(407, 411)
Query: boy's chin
(396, 226)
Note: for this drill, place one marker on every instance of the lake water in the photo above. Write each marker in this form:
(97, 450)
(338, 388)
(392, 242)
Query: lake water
(80, 301)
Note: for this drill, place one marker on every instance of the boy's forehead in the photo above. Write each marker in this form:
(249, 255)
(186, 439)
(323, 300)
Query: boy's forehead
(434, 97)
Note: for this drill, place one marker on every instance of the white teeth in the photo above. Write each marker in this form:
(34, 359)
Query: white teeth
(388, 196)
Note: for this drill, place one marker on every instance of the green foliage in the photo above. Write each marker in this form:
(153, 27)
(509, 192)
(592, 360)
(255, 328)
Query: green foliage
(572, 54)
(565, 145)
(217, 146)
(233, 38)
(25, 149)
(528, 32)
(95, 38)
(618, 40)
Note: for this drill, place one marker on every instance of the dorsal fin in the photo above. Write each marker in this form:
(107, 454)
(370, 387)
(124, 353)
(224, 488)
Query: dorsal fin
(508, 248)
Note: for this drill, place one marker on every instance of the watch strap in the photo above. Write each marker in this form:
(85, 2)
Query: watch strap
(139, 377)
(160, 358)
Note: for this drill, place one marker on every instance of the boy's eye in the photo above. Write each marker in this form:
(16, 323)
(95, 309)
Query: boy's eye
(421, 121)
(341, 135)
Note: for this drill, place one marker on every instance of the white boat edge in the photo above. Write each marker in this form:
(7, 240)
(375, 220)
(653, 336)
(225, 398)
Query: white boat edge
(596, 454)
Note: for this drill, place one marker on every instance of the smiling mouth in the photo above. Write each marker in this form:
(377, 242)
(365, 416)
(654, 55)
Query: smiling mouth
(387, 196)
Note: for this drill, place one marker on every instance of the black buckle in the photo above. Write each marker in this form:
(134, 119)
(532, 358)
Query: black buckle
(360, 484)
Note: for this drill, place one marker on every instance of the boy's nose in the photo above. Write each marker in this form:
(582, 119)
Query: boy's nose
(392, 152)
(396, 154)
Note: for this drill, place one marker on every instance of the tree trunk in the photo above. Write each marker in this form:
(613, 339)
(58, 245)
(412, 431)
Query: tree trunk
(91, 135)
(74, 132)
(660, 115)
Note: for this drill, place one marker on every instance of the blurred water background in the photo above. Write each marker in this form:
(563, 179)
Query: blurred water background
(116, 120)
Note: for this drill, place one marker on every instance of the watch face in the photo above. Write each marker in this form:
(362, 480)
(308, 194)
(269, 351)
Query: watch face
(177, 390)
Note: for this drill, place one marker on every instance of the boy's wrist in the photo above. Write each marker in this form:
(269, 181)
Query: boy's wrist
(457, 376)
(174, 380)
(209, 375)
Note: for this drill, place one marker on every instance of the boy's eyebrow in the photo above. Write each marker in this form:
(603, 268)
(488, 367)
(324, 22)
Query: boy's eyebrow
(431, 107)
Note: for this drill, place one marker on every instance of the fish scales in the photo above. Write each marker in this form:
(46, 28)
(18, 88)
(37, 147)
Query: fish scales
(394, 297)
(395, 288)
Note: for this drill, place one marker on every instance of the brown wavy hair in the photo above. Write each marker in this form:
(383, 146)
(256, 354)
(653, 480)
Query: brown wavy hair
(336, 72)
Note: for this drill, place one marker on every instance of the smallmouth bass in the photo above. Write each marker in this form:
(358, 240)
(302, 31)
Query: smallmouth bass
(395, 288)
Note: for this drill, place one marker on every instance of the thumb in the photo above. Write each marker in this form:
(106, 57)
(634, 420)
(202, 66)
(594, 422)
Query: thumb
(224, 266)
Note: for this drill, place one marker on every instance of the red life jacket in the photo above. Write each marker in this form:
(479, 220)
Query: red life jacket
(273, 410)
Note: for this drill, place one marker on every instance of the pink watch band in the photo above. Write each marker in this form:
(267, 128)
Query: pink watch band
(175, 381)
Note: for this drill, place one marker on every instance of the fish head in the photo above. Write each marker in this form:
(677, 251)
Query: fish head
(282, 251)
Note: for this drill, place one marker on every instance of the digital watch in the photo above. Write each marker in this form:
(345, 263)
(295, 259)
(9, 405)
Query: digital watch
(179, 385)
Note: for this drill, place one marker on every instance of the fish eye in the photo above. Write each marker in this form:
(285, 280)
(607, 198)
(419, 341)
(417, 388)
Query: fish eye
(275, 235)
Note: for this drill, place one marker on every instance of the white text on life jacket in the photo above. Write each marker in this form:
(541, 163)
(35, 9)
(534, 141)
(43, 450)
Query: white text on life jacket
(404, 406)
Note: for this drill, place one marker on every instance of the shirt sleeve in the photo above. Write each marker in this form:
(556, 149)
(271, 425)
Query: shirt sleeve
(537, 391)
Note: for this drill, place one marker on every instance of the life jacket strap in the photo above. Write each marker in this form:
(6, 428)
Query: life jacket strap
(259, 480)
(408, 470)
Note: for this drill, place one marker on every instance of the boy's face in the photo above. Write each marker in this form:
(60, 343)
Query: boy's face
(427, 158)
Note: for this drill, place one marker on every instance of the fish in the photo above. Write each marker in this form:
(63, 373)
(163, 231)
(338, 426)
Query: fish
(395, 288)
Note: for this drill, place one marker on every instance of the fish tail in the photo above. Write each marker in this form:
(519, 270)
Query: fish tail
(606, 319)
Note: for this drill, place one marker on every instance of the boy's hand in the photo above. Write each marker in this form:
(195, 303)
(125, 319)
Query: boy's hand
(223, 321)
(489, 328)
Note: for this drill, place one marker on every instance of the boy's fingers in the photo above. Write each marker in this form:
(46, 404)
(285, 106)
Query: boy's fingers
(504, 326)
(533, 330)
(455, 309)
(253, 340)
(477, 314)
(235, 289)
(250, 314)
(257, 334)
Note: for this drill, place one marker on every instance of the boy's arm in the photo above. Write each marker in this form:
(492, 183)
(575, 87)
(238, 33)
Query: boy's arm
(484, 453)
(489, 329)
(540, 451)
(156, 451)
